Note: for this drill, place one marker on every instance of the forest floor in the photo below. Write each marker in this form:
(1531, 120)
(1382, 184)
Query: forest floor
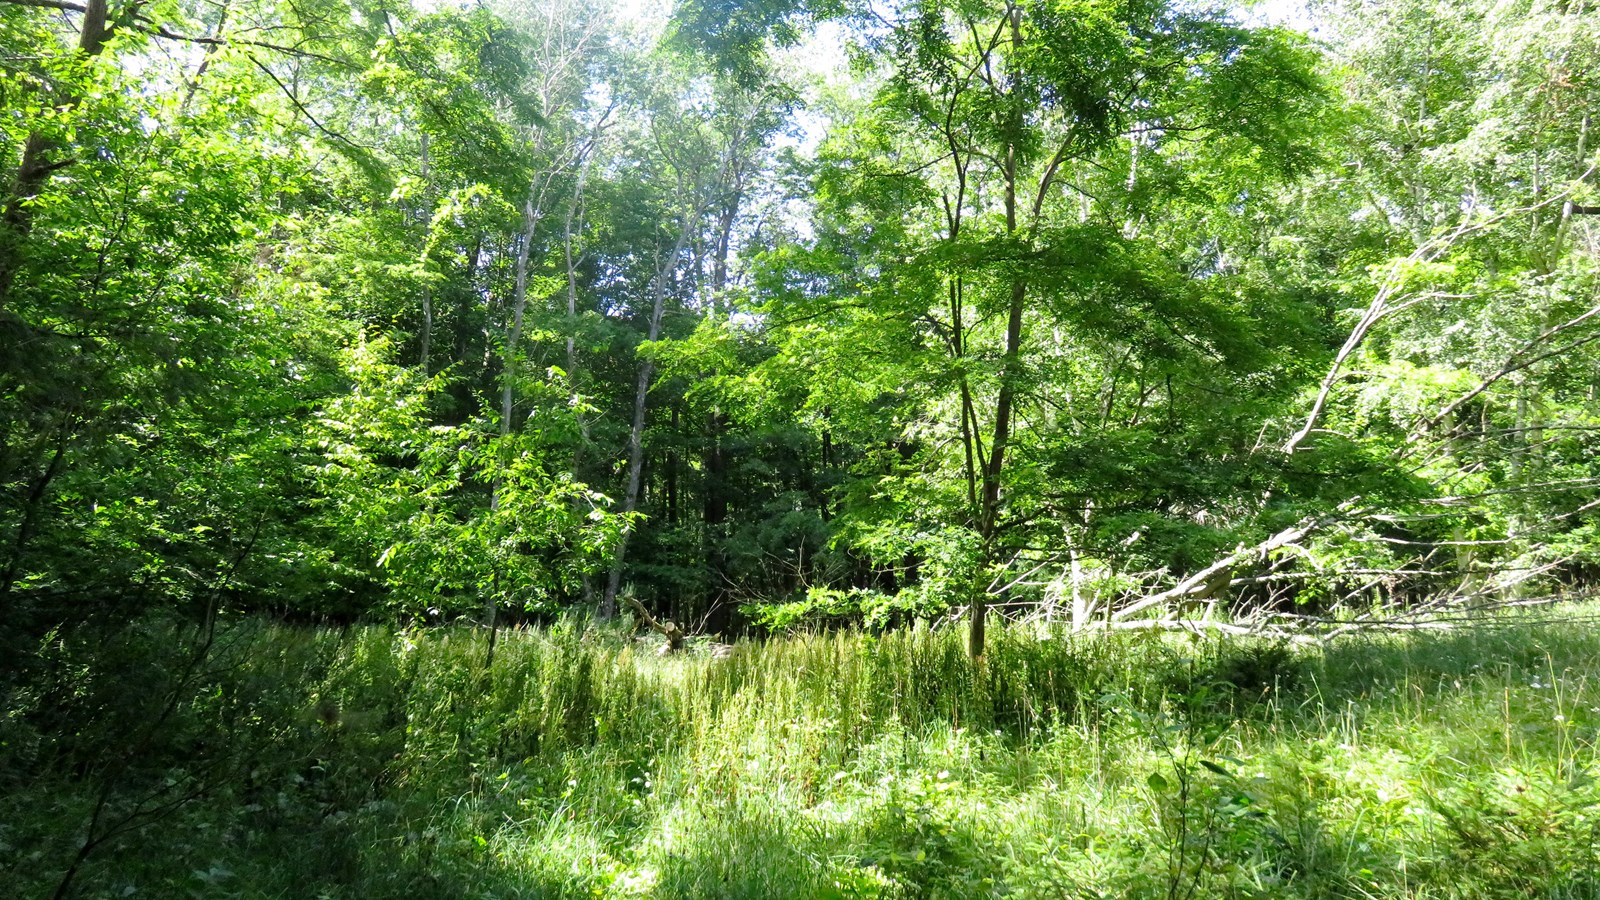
(371, 763)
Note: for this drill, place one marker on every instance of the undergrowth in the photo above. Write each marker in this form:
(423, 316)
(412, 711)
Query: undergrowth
(373, 763)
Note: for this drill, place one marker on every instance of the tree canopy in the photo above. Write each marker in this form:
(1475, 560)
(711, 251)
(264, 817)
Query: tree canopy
(1117, 311)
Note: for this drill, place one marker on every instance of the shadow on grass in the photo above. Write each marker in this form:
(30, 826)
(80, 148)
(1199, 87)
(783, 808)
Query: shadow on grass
(1359, 668)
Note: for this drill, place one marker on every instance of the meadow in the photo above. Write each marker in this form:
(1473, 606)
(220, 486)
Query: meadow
(260, 760)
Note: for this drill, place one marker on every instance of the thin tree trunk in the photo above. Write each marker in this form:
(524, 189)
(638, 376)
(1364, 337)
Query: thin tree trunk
(647, 370)
(989, 524)
(519, 305)
(989, 527)
(30, 515)
(697, 204)
(672, 473)
(205, 61)
(567, 232)
(573, 224)
(715, 461)
(427, 289)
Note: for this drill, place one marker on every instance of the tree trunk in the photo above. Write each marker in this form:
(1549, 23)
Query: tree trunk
(572, 225)
(30, 515)
(572, 286)
(427, 289)
(715, 462)
(647, 370)
(519, 305)
(989, 523)
(38, 151)
(672, 473)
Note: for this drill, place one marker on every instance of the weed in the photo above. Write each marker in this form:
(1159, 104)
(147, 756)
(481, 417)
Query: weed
(382, 763)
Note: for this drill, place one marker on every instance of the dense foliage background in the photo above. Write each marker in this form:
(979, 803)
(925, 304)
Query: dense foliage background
(344, 310)
(846, 318)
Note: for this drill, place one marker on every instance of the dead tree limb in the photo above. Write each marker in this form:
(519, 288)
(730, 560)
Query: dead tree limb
(1209, 582)
(1394, 283)
(670, 630)
(1516, 362)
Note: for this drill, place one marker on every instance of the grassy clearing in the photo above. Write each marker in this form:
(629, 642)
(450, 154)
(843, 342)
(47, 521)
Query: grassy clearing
(375, 763)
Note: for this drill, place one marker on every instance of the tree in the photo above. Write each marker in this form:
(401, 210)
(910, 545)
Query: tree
(149, 371)
(993, 205)
(703, 136)
(1468, 331)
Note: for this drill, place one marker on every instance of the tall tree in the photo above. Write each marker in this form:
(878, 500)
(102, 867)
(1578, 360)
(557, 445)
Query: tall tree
(994, 203)
(703, 135)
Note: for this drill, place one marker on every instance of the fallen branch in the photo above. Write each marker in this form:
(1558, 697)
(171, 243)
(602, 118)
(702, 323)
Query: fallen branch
(1280, 577)
(1441, 615)
(670, 630)
(1192, 625)
(1211, 581)
(1516, 362)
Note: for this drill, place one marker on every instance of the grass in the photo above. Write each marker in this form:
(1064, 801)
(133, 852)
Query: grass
(377, 763)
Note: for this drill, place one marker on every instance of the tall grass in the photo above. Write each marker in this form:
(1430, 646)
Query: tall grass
(381, 763)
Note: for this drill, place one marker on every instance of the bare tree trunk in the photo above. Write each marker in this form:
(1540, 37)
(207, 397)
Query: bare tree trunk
(696, 199)
(672, 472)
(572, 286)
(573, 224)
(647, 370)
(519, 305)
(715, 460)
(427, 289)
(989, 523)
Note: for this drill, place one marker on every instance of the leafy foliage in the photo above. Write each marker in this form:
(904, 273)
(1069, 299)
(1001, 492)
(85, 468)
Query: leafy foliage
(353, 312)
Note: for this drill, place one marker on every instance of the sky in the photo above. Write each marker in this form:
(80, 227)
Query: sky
(1288, 13)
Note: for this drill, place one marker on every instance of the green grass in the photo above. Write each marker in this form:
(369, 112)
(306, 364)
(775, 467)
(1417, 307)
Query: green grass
(372, 763)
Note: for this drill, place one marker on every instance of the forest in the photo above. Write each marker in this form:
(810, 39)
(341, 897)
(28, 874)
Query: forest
(799, 448)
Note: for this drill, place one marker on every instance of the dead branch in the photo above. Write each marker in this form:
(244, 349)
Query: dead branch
(1444, 614)
(1468, 499)
(1516, 362)
(670, 630)
(1215, 578)
(1282, 577)
(1192, 625)
(1393, 283)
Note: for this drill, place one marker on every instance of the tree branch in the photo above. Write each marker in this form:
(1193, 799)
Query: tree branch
(1205, 583)
(289, 94)
(1516, 363)
(1394, 281)
(155, 30)
(62, 5)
